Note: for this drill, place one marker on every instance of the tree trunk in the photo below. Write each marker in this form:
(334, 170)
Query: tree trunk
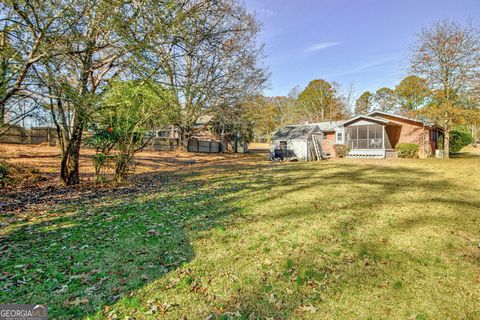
(70, 173)
(222, 140)
(474, 136)
(121, 167)
(184, 138)
(64, 166)
(446, 144)
(2, 113)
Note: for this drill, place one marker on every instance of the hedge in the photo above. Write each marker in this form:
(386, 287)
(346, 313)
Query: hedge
(407, 150)
(341, 150)
(459, 139)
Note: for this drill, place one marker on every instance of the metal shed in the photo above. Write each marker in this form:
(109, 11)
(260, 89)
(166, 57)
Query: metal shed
(300, 141)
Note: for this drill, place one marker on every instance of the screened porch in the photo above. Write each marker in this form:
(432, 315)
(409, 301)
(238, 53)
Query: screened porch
(368, 140)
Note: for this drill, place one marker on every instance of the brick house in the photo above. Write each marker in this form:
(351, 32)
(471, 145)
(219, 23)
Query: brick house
(376, 134)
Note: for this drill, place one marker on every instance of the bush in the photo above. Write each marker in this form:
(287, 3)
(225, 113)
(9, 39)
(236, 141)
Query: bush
(459, 139)
(407, 150)
(103, 140)
(101, 164)
(341, 150)
(12, 174)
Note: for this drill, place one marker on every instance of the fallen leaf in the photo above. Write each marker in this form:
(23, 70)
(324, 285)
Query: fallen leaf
(308, 308)
(272, 298)
(152, 310)
(78, 301)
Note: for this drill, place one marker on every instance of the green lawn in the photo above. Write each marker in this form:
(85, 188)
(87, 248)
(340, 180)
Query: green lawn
(351, 239)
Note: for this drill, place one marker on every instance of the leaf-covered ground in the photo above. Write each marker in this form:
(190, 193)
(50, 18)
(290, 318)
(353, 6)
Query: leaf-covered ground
(247, 239)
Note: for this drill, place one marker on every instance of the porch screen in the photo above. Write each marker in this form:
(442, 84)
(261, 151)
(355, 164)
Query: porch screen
(364, 137)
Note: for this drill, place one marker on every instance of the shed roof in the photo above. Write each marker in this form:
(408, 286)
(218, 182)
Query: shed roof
(202, 121)
(296, 132)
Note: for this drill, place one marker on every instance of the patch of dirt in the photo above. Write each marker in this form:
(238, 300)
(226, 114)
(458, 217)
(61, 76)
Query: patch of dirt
(43, 188)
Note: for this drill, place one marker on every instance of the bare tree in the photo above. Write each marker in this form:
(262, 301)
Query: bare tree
(209, 57)
(447, 55)
(30, 32)
(100, 46)
(347, 101)
(204, 51)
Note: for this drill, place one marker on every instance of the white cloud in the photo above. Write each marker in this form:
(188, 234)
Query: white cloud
(363, 67)
(321, 46)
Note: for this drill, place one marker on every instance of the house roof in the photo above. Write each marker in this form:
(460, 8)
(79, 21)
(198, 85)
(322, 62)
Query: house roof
(379, 116)
(203, 120)
(381, 113)
(374, 119)
(327, 126)
(296, 132)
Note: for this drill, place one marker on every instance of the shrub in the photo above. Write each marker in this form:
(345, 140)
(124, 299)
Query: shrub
(407, 150)
(103, 140)
(459, 139)
(12, 174)
(341, 150)
(101, 164)
(132, 113)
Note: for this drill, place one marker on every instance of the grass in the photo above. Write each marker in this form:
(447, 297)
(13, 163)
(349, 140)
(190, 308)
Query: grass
(339, 239)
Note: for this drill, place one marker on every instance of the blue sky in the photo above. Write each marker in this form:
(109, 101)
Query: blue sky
(364, 43)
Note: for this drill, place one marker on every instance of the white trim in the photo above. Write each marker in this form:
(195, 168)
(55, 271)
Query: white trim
(337, 133)
(383, 137)
(364, 117)
(366, 153)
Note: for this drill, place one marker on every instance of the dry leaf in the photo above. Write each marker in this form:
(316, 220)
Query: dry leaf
(308, 308)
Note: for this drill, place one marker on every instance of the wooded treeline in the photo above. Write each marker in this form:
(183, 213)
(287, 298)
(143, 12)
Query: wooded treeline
(125, 68)
(319, 101)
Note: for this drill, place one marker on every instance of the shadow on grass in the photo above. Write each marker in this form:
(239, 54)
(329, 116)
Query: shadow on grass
(83, 255)
(86, 255)
(465, 155)
(290, 285)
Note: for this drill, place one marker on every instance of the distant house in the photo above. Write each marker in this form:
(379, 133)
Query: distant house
(374, 135)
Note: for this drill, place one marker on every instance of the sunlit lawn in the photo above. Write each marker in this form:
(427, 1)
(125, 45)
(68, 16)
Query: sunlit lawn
(351, 239)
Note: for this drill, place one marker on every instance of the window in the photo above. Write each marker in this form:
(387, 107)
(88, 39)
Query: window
(339, 136)
(365, 137)
(283, 145)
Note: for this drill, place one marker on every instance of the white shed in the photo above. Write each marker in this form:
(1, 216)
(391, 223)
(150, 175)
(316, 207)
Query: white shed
(297, 141)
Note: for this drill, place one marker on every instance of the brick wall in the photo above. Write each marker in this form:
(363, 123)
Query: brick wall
(410, 132)
(328, 142)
